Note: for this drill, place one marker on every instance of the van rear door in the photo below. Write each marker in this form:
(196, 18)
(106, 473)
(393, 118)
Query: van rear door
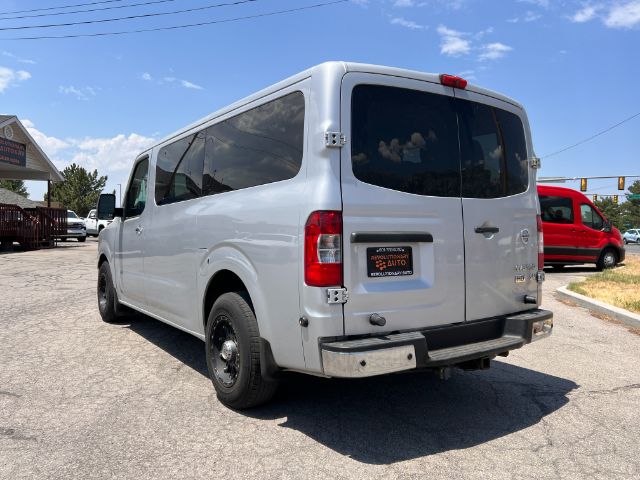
(402, 214)
(499, 204)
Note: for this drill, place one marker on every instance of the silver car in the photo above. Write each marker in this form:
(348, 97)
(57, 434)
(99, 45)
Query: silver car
(631, 236)
(350, 221)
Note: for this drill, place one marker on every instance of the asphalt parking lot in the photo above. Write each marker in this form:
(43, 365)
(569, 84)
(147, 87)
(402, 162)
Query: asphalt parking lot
(83, 399)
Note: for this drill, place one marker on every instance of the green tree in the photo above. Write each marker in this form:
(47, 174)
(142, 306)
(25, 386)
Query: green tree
(16, 186)
(80, 189)
(611, 210)
(630, 210)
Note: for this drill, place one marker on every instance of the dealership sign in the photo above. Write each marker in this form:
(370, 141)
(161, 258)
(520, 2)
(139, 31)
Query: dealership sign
(13, 153)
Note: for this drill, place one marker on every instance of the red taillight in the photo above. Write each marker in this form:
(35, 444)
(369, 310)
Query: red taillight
(323, 249)
(453, 81)
(540, 243)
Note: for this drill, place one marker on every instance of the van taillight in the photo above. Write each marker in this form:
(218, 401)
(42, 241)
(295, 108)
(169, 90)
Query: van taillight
(323, 249)
(540, 243)
(453, 81)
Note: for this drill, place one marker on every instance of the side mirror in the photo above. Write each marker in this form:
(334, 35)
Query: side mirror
(107, 207)
(607, 227)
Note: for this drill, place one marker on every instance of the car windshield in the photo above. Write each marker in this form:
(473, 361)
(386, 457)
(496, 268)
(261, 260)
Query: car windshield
(71, 214)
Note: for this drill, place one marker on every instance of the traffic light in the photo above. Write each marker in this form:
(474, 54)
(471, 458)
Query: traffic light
(595, 197)
(620, 183)
(615, 197)
(583, 184)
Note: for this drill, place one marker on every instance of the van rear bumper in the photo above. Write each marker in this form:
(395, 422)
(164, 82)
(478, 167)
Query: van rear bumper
(432, 348)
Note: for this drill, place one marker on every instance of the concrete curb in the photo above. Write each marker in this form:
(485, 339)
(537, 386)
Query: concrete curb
(625, 316)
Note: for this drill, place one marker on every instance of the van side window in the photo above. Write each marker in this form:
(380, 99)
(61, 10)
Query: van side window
(405, 140)
(556, 209)
(259, 146)
(494, 152)
(136, 198)
(591, 218)
(179, 170)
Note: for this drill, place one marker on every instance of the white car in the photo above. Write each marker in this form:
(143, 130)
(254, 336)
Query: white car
(94, 225)
(631, 236)
(350, 221)
(75, 227)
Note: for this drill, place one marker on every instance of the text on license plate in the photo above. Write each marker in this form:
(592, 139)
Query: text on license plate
(389, 261)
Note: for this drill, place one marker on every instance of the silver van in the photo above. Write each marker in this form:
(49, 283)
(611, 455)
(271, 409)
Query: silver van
(350, 221)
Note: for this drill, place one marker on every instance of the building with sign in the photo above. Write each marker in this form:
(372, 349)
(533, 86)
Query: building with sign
(21, 158)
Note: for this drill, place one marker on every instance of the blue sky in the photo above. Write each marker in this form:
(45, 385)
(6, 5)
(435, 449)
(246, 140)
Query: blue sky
(99, 101)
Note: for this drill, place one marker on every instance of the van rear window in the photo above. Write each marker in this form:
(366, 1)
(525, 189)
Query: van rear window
(429, 144)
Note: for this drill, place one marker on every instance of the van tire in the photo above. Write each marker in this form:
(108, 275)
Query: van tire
(107, 295)
(82, 239)
(608, 259)
(237, 380)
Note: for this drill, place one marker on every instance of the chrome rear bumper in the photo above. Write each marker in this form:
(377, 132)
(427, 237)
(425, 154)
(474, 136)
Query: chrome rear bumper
(452, 345)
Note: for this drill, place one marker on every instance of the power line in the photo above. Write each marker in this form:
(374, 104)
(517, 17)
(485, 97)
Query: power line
(98, 9)
(58, 8)
(130, 17)
(176, 27)
(592, 136)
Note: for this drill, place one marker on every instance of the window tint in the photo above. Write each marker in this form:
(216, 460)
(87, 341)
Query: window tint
(494, 153)
(405, 140)
(71, 214)
(260, 146)
(179, 170)
(136, 198)
(556, 209)
(591, 218)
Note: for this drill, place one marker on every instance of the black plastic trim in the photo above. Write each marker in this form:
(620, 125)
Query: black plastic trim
(571, 251)
(391, 237)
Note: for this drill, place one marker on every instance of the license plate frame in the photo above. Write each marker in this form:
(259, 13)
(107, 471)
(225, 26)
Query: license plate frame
(389, 261)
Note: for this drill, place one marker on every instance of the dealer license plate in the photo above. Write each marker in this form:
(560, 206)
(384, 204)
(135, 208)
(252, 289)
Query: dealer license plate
(389, 261)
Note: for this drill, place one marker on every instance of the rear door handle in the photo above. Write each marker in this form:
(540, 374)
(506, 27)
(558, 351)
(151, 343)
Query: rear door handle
(487, 229)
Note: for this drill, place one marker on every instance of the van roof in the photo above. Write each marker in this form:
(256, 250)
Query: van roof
(326, 69)
(560, 191)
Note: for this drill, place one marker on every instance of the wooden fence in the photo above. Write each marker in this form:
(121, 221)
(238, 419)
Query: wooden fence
(31, 227)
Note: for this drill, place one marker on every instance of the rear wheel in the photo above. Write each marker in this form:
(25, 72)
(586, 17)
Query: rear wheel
(608, 259)
(233, 353)
(82, 239)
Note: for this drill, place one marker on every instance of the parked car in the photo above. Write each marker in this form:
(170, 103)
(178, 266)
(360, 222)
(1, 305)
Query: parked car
(575, 231)
(631, 236)
(94, 225)
(75, 227)
(317, 226)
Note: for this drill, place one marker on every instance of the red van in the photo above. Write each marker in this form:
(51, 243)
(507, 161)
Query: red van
(575, 231)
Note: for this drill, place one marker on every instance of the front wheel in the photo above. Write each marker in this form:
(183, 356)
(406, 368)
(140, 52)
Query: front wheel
(82, 239)
(233, 353)
(608, 259)
(107, 295)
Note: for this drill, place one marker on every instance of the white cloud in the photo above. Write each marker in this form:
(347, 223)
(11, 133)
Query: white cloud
(493, 51)
(585, 14)
(81, 93)
(623, 15)
(109, 154)
(407, 23)
(50, 145)
(528, 16)
(10, 77)
(187, 84)
(408, 3)
(146, 76)
(19, 59)
(539, 3)
(452, 42)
